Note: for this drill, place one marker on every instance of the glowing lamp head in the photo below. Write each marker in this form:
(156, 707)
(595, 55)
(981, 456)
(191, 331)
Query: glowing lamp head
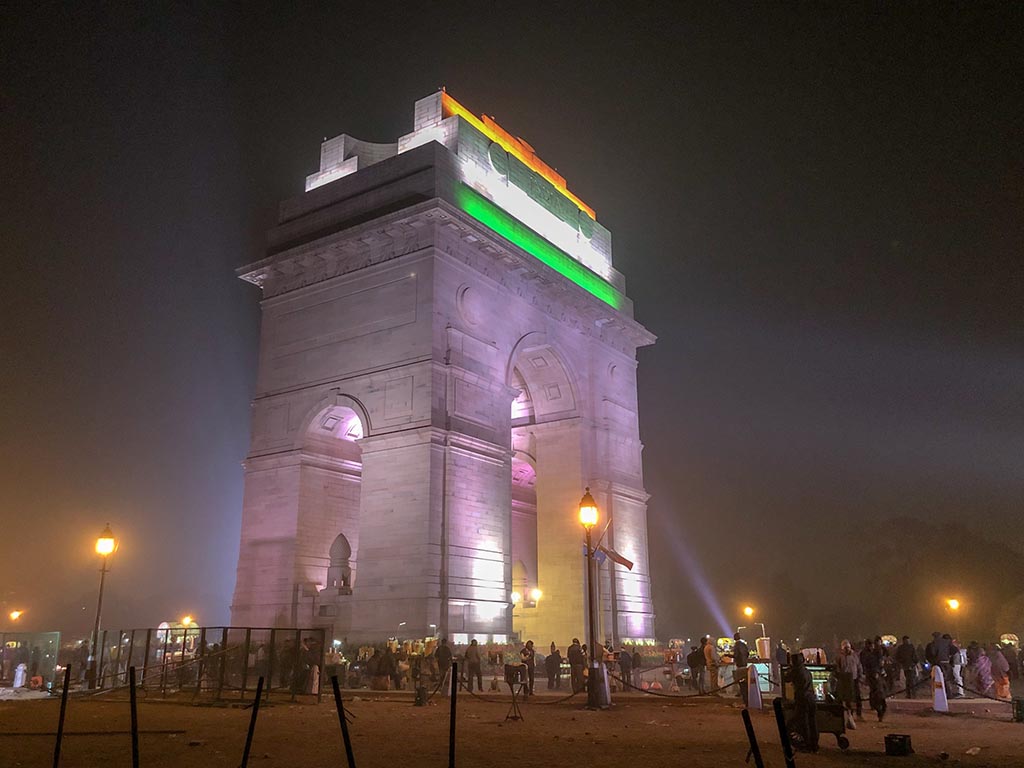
(953, 603)
(187, 621)
(536, 594)
(105, 544)
(516, 598)
(588, 510)
(15, 615)
(748, 611)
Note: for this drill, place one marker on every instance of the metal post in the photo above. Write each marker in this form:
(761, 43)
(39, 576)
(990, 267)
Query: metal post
(145, 655)
(245, 659)
(271, 657)
(787, 746)
(131, 648)
(202, 660)
(755, 750)
(252, 722)
(163, 663)
(593, 696)
(63, 712)
(451, 720)
(96, 627)
(344, 723)
(223, 661)
(103, 645)
(135, 717)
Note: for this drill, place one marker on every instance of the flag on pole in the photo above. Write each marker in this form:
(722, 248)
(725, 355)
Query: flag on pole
(617, 558)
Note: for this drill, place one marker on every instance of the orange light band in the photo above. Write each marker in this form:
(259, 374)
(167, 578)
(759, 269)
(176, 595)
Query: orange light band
(519, 149)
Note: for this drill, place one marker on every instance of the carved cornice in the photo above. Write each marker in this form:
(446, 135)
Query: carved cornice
(436, 223)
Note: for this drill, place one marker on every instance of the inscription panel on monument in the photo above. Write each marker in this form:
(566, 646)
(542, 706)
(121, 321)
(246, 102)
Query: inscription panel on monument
(347, 316)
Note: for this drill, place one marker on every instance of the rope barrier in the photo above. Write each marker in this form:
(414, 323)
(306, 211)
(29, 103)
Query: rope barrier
(676, 695)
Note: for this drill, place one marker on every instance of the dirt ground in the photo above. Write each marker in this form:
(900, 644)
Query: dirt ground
(390, 731)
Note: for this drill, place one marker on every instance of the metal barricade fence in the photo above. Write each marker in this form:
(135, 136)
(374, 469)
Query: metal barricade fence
(225, 662)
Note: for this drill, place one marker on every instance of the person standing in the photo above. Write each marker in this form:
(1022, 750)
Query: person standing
(805, 703)
(695, 661)
(781, 660)
(577, 662)
(443, 654)
(849, 673)
(553, 667)
(529, 657)
(637, 671)
(711, 661)
(474, 666)
(906, 660)
(626, 667)
(1000, 672)
(741, 656)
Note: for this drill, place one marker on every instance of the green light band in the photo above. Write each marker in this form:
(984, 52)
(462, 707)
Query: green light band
(490, 215)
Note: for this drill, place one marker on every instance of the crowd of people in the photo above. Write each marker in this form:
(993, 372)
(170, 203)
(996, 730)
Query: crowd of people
(401, 666)
(883, 669)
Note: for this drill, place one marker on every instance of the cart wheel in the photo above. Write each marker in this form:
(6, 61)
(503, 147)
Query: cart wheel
(843, 742)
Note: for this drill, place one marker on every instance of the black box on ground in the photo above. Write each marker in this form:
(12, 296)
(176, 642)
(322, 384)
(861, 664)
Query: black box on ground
(898, 744)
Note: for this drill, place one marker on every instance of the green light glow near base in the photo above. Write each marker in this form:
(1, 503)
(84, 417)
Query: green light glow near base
(490, 215)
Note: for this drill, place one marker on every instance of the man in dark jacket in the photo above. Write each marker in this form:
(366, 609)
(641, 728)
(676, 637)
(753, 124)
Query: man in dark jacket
(906, 659)
(871, 662)
(804, 703)
(741, 656)
(577, 662)
(443, 654)
(695, 661)
(626, 667)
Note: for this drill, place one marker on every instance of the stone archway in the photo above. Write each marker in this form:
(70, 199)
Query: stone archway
(547, 472)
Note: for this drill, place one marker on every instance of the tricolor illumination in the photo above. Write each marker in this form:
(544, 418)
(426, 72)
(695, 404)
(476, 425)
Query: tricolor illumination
(522, 151)
(487, 213)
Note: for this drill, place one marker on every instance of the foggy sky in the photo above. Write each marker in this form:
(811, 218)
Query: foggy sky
(818, 213)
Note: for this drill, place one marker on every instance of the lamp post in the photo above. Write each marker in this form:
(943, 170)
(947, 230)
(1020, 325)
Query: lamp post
(748, 611)
(588, 518)
(105, 546)
(953, 605)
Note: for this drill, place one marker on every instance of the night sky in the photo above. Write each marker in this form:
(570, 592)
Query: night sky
(820, 213)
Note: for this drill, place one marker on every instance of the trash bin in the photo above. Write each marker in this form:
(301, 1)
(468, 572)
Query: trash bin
(1018, 710)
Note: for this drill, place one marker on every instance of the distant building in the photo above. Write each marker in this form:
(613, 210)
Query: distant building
(447, 359)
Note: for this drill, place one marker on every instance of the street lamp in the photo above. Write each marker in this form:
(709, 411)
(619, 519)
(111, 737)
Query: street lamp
(588, 518)
(536, 594)
(187, 621)
(748, 612)
(15, 615)
(105, 546)
(953, 603)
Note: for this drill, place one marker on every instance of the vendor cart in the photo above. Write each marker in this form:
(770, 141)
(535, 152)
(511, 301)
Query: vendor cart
(830, 715)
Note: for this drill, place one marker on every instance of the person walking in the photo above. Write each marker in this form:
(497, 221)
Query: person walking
(906, 660)
(741, 657)
(529, 657)
(577, 662)
(474, 666)
(871, 663)
(849, 673)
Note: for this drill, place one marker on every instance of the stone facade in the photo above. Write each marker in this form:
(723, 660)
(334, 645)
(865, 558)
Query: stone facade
(432, 399)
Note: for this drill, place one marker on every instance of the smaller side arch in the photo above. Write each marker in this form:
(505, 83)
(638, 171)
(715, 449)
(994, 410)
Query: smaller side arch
(333, 398)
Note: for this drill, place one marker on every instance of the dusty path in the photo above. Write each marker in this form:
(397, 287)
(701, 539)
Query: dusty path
(392, 732)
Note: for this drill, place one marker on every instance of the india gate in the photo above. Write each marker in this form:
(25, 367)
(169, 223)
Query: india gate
(447, 360)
